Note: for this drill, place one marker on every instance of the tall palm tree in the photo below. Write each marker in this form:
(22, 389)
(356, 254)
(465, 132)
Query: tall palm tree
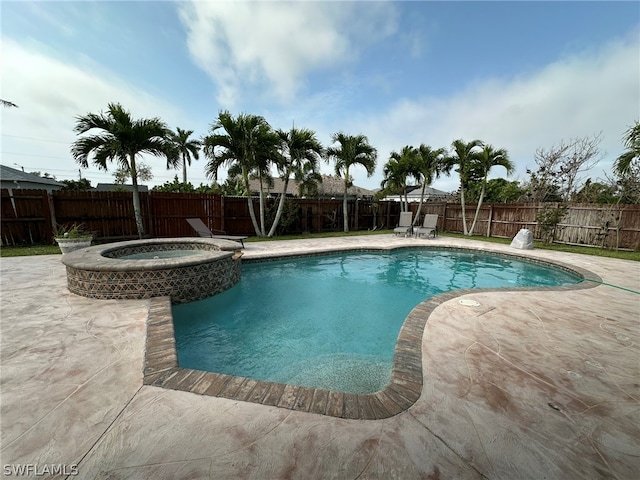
(351, 150)
(463, 157)
(429, 164)
(489, 158)
(631, 139)
(247, 145)
(300, 155)
(396, 172)
(308, 180)
(122, 139)
(186, 149)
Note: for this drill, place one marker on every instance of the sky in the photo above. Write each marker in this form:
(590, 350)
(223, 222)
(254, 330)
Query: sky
(517, 75)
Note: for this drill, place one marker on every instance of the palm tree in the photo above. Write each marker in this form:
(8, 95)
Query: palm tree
(489, 158)
(300, 155)
(122, 139)
(247, 145)
(186, 149)
(463, 156)
(352, 150)
(308, 180)
(429, 164)
(396, 171)
(631, 139)
(7, 103)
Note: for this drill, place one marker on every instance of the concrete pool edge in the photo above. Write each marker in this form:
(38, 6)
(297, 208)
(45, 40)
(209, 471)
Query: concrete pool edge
(161, 362)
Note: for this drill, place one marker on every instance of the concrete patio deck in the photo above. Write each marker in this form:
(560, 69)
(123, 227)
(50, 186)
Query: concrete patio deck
(529, 384)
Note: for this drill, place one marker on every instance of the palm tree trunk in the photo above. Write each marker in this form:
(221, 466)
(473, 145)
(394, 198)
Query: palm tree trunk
(137, 208)
(184, 168)
(475, 217)
(262, 234)
(424, 187)
(464, 213)
(345, 213)
(252, 213)
(280, 207)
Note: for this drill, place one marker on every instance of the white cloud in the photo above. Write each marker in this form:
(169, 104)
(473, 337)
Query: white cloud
(50, 95)
(578, 96)
(275, 45)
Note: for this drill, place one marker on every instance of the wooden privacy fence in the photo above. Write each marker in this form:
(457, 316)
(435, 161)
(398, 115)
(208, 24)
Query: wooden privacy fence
(26, 217)
(610, 226)
(29, 216)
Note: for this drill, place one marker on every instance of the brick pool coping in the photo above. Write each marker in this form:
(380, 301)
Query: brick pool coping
(161, 360)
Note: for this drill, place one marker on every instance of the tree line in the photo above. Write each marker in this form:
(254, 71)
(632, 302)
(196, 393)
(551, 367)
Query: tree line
(250, 149)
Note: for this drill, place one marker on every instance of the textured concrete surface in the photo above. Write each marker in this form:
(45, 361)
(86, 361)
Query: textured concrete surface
(525, 385)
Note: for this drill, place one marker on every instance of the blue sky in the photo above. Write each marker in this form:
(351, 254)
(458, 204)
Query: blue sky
(517, 75)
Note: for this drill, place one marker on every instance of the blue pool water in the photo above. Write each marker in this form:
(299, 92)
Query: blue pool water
(332, 321)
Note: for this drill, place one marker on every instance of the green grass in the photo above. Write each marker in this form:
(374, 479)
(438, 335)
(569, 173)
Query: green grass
(624, 255)
(318, 235)
(558, 247)
(29, 250)
(599, 252)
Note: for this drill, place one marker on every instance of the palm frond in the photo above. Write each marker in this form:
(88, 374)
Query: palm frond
(7, 103)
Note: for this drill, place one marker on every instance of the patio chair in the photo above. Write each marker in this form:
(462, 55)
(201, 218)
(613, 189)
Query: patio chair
(429, 226)
(203, 231)
(404, 225)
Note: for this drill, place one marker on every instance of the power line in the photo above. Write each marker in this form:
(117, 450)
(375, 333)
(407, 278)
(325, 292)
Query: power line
(35, 155)
(102, 176)
(37, 139)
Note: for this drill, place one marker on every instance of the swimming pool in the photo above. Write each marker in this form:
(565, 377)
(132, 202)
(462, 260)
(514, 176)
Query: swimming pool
(332, 321)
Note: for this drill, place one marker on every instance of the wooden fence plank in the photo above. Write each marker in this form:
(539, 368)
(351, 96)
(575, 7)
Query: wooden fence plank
(27, 216)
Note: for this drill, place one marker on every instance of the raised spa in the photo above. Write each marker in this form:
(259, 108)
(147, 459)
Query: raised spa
(183, 269)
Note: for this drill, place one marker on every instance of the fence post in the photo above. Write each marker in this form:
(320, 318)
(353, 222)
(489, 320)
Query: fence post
(223, 214)
(490, 218)
(444, 218)
(389, 215)
(357, 214)
(50, 221)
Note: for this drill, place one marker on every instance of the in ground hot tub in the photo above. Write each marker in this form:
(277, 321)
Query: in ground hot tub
(183, 269)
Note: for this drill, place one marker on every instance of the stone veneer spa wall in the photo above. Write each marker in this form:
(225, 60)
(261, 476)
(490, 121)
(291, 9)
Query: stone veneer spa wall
(205, 268)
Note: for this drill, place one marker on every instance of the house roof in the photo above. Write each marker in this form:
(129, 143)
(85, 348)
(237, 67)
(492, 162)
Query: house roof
(331, 186)
(414, 193)
(428, 191)
(115, 187)
(9, 174)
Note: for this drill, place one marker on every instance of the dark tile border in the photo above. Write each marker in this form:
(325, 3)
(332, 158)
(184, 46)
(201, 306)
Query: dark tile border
(161, 361)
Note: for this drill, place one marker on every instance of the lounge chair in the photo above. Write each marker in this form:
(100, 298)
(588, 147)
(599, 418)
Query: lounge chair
(404, 225)
(203, 231)
(429, 226)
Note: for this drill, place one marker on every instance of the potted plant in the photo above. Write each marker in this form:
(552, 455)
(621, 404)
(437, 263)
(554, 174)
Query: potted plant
(71, 237)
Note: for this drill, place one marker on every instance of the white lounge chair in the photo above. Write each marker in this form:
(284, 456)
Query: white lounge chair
(203, 231)
(404, 225)
(429, 226)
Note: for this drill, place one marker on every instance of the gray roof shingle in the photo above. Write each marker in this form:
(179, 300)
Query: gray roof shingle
(331, 186)
(13, 175)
